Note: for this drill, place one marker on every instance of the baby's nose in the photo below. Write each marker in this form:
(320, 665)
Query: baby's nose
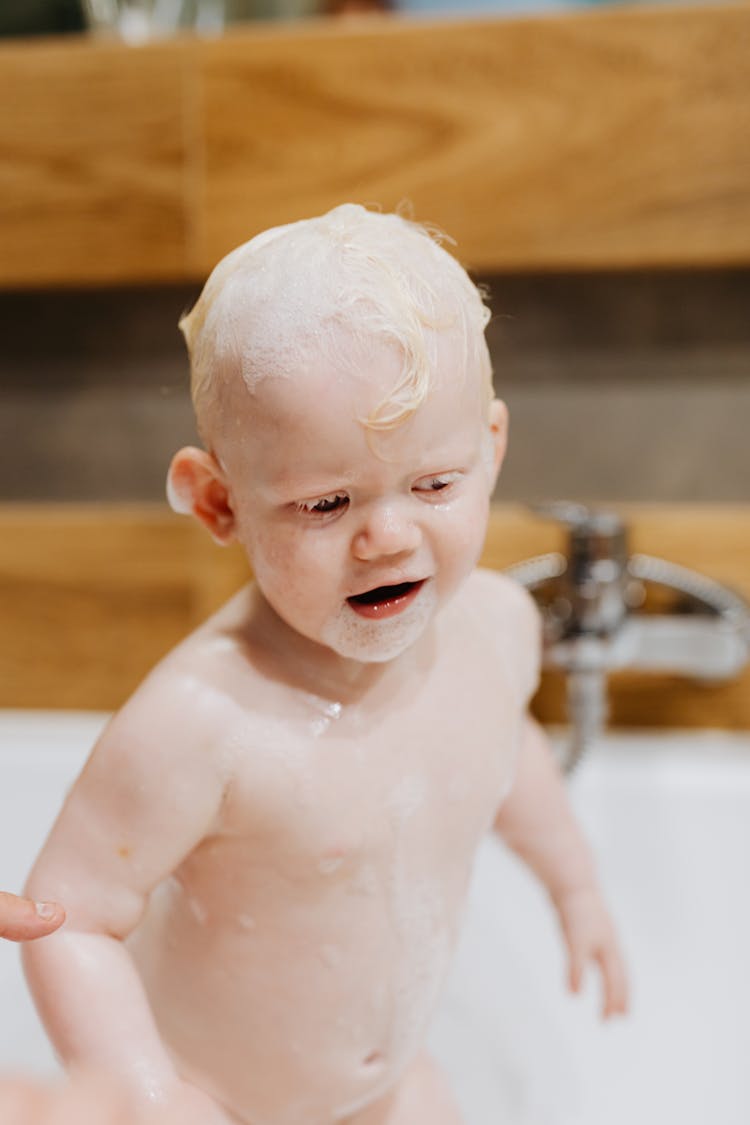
(387, 530)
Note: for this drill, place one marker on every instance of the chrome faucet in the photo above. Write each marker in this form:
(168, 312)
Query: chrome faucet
(596, 619)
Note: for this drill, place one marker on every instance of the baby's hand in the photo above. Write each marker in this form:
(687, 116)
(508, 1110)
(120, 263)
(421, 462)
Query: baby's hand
(82, 1100)
(590, 936)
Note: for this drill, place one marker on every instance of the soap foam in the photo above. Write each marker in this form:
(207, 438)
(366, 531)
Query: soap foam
(379, 640)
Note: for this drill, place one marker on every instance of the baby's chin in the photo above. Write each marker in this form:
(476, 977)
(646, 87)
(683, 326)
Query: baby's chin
(378, 641)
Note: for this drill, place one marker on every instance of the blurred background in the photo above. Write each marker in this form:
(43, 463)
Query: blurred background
(141, 19)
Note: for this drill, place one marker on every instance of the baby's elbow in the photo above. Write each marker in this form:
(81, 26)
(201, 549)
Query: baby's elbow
(90, 904)
(112, 911)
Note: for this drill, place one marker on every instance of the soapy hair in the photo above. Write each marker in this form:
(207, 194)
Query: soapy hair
(293, 289)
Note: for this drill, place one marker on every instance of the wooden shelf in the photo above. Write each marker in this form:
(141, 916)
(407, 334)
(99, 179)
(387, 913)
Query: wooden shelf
(604, 140)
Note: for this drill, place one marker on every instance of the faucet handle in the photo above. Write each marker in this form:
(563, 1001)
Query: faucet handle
(597, 537)
(579, 517)
(593, 589)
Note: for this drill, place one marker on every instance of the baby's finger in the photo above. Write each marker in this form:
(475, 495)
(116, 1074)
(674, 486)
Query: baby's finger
(23, 920)
(614, 981)
(576, 968)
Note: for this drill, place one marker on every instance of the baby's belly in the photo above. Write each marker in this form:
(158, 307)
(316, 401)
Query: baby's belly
(303, 1016)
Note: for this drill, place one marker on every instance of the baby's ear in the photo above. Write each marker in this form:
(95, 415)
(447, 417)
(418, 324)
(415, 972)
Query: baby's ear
(196, 486)
(498, 421)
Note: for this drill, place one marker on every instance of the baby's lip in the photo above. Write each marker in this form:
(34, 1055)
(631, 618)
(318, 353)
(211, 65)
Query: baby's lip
(387, 600)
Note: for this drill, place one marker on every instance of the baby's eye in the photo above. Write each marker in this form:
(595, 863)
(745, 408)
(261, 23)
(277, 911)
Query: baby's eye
(437, 483)
(337, 501)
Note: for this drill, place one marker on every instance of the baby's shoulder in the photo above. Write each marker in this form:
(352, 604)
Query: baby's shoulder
(500, 619)
(501, 599)
(192, 697)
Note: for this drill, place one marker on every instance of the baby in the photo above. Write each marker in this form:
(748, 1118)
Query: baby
(265, 859)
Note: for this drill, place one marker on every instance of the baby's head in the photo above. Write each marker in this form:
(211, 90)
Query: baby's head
(343, 390)
(350, 279)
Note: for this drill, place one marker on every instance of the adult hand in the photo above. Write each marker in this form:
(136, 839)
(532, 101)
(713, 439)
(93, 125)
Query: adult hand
(23, 920)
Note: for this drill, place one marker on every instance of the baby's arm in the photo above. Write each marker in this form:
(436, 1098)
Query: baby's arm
(537, 822)
(148, 795)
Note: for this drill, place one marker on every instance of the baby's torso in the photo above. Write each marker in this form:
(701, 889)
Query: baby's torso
(296, 957)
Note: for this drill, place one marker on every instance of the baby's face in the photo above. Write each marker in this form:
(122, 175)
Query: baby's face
(356, 538)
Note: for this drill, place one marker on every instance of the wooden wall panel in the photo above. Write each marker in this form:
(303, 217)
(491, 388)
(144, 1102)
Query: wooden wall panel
(612, 139)
(588, 140)
(93, 163)
(92, 597)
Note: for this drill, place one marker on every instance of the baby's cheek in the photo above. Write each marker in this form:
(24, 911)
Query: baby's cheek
(303, 587)
(463, 538)
(273, 560)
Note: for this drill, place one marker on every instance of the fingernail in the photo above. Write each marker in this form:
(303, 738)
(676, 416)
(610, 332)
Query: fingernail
(46, 910)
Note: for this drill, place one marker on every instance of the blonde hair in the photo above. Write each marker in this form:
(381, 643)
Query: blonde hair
(294, 287)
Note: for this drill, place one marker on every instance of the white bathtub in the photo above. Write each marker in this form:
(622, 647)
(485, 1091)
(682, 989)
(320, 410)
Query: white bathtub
(669, 817)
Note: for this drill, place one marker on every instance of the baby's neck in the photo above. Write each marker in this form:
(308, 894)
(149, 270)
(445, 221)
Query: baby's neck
(311, 667)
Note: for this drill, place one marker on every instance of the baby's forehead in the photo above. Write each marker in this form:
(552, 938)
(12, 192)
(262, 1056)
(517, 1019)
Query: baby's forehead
(346, 371)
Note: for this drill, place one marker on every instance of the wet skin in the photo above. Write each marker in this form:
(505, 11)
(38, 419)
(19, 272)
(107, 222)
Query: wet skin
(273, 838)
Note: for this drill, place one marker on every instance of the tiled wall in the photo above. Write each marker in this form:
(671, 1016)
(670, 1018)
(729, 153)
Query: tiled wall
(620, 387)
(630, 387)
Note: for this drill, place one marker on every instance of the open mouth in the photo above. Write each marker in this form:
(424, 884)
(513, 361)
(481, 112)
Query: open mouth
(385, 601)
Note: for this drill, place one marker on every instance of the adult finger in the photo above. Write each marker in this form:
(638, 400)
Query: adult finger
(23, 920)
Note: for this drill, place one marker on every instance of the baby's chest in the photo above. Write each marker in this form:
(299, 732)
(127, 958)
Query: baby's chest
(414, 789)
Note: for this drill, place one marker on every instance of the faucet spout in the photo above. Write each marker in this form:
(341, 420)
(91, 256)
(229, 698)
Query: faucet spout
(596, 618)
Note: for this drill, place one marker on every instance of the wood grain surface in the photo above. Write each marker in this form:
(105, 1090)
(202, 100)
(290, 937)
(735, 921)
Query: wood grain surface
(93, 163)
(612, 139)
(608, 139)
(93, 596)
